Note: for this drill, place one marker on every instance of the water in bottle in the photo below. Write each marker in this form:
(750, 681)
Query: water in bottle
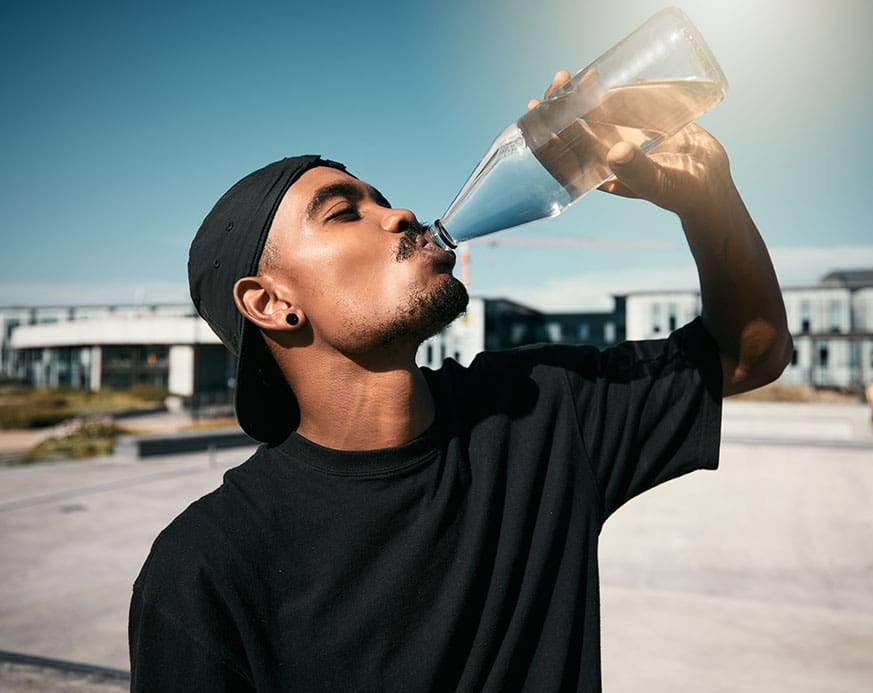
(646, 88)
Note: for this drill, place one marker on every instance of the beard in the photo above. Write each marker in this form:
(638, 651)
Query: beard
(427, 314)
(426, 310)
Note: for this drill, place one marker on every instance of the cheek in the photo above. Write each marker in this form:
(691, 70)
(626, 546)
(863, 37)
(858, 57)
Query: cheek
(336, 286)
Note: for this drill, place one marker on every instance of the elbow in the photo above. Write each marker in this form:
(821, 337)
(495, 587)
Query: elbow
(779, 356)
(763, 358)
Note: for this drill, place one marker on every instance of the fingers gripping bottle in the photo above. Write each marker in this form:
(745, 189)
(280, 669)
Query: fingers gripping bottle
(659, 79)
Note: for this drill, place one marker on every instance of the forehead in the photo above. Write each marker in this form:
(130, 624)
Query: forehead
(292, 210)
(305, 187)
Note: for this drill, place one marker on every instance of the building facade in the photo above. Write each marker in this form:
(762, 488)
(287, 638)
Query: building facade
(831, 323)
(166, 347)
(169, 347)
(492, 324)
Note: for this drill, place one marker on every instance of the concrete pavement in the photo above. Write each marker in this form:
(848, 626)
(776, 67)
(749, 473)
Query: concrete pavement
(758, 577)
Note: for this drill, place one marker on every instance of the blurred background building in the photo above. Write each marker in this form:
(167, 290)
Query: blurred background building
(831, 322)
(165, 347)
(168, 347)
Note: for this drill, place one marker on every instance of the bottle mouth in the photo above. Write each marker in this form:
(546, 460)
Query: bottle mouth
(438, 234)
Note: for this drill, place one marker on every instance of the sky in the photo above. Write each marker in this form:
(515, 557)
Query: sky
(123, 122)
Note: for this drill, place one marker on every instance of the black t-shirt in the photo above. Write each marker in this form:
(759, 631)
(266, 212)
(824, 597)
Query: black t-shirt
(465, 560)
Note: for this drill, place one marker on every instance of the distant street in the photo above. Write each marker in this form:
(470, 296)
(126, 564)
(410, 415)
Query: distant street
(758, 577)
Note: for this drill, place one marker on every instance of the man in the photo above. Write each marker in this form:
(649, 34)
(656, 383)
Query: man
(413, 530)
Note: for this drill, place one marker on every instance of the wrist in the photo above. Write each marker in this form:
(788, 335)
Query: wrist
(719, 203)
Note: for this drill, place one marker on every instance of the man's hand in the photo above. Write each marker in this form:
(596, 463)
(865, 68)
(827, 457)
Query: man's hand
(689, 174)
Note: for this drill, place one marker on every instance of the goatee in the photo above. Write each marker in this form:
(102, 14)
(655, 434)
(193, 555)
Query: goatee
(428, 313)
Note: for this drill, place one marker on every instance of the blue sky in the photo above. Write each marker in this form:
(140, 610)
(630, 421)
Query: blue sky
(123, 122)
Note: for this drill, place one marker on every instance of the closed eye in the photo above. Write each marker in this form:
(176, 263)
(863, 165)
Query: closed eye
(344, 213)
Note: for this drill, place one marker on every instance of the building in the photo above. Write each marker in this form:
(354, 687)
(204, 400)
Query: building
(492, 324)
(831, 323)
(167, 347)
(170, 348)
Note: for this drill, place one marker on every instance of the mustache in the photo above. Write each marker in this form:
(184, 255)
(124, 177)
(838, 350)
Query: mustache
(407, 244)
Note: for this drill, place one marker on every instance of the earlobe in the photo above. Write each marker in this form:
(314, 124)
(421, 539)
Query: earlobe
(262, 303)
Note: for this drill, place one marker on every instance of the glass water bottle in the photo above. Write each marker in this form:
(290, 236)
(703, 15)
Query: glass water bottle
(646, 88)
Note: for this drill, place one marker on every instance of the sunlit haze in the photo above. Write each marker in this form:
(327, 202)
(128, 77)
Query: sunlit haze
(124, 122)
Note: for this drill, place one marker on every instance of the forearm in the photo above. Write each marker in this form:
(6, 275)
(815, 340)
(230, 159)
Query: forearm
(742, 306)
(689, 174)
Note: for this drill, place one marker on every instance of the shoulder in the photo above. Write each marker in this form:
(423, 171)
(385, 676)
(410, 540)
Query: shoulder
(507, 373)
(192, 600)
(212, 538)
(544, 363)
(506, 366)
(690, 345)
(509, 384)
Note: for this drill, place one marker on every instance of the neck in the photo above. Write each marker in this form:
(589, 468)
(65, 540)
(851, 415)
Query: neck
(350, 406)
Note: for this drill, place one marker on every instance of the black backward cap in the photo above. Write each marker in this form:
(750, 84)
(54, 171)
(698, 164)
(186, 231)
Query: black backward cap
(227, 247)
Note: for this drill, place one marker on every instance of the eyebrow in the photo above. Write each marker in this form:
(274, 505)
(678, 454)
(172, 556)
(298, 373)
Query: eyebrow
(350, 191)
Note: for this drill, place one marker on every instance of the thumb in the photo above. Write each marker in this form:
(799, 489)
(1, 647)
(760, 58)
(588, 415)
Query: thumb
(636, 171)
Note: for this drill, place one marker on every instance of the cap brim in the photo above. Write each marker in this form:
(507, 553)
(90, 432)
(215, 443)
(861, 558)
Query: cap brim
(265, 404)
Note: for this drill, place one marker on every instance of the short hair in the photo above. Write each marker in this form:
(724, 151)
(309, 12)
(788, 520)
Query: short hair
(269, 255)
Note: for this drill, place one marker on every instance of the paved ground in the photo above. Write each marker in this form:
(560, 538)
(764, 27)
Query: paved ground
(20, 678)
(758, 577)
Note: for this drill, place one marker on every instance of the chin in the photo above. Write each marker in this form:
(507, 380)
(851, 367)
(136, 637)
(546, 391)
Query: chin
(428, 313)
(447, 303)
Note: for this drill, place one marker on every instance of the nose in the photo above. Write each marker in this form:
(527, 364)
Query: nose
(398, 220)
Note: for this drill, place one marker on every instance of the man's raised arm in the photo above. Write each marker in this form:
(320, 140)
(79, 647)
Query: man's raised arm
(742, 302)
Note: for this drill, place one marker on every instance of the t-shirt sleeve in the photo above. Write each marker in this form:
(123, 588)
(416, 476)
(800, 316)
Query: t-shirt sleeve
(649, 411)
(181, 632)
(165, 657)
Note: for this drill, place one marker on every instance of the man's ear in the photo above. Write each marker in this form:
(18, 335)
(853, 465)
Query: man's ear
(266, 304)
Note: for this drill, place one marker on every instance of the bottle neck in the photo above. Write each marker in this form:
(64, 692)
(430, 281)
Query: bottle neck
(438, 234)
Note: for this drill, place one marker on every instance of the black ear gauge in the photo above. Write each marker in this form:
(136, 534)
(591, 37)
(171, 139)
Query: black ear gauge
(292, 318)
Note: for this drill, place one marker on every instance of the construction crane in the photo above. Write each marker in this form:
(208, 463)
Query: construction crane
(554, 242)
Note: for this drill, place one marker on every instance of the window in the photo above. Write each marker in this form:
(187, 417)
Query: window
(584, 331)
(609, 332)
(656, 318)
(126, 365)
(823, 355)
(671, 316)
(553, 330)
(836, 314)
(11, 324)
(804, 316)
(794, 357)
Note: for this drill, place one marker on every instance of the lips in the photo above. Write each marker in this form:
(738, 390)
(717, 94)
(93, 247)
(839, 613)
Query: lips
(416, 243)
(432, 250)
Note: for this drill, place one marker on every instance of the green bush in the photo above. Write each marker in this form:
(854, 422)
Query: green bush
(33, 409)
(22, 407)
(89, 438)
